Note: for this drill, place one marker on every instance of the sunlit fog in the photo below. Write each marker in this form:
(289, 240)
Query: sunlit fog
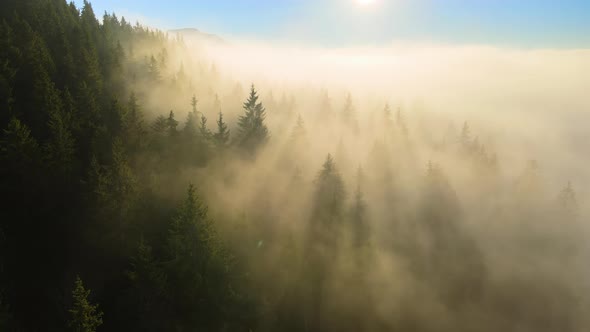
(163, 179)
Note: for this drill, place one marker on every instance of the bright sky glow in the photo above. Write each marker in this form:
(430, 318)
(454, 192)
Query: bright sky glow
(513, 23)
(366, 2)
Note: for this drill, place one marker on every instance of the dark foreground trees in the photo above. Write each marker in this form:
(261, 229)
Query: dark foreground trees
(94, 180)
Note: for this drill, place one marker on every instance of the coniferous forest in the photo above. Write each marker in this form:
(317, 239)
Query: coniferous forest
(145, 189)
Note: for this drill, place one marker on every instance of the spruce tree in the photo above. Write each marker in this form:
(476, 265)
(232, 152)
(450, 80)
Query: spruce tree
(133, 127)
(252, 131)
(465, 137)
(567, 201)
(358, 213)
(60, 150)
(191, 125)
(203, 129)
(84, 316)
(198, 268)
(160, 125)
(194, 103)
(299, 133)
(221, 137)
(171, 125)
(349, 115)
(329, 194)
(18, 148)
(149, 293)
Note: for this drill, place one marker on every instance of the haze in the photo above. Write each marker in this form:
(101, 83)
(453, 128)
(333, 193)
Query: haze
(180, 180)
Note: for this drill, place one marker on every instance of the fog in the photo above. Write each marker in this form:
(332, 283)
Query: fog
(462, 205)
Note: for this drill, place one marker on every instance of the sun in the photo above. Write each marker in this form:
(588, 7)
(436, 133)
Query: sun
(365, 2)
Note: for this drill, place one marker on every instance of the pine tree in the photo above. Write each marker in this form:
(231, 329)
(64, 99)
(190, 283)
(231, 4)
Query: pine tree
(217, 104)
(60, 151)
(160, 125)
(85, 317)
(325, 107)
(358, 213)
(154, 69)
(465, 137)
(171, 125)
(348, 110)
(329, 195)
(567, 201)
(221, 137)
(322, 241)
(133, 130)
(116, 184)
(203, 130)
(252, 131)
(198, 268)
(299, 133)
(349, 116)
(148, 280)
(18, 148)
(194, 103)
(191, 125)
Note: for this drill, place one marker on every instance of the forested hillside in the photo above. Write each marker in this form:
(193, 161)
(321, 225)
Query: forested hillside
(145, 189)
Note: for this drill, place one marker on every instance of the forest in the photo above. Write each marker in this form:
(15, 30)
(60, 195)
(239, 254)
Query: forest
(145, 188)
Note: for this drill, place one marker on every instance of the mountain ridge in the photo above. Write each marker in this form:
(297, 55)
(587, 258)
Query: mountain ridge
(196, 34)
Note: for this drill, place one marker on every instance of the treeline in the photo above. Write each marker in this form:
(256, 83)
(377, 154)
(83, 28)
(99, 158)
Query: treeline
(95, 233)
(78, 209)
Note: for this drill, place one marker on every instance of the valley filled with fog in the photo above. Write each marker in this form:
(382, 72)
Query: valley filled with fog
(235, 185)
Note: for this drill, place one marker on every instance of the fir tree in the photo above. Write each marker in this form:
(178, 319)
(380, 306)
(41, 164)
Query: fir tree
(60, 151)
(85, 317)
(203, 130)
(567, 200)
(171, 125)
(465, 137)
(198, 268)
(299, 133)
(252, 131)
(358, 213)
(194, 103)
(329, 194)
(191, 125)
(160, 124)
(221, 137)
(133, 130)
(18, 147)
(349, 116)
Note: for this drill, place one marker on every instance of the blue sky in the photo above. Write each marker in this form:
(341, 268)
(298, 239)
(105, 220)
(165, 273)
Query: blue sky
(512, 23)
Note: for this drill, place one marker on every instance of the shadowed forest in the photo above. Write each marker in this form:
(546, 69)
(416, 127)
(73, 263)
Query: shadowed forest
(148, 187)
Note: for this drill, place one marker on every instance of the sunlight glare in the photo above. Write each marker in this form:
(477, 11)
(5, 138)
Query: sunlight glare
(366, 2)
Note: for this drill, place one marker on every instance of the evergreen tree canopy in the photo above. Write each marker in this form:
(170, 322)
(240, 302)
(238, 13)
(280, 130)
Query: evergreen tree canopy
(252, 131)
(85, 317)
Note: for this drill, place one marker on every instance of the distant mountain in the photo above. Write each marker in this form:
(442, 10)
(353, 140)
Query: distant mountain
(197, 35)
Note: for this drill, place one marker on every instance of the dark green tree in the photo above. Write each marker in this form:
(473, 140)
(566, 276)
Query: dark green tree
(252, 131)
(133, 127)
(84, 316)
(221, 136)
(204, 130)
(198, 269)
(149, 293)
(172, 125)
(330, 194)
(60, 150)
